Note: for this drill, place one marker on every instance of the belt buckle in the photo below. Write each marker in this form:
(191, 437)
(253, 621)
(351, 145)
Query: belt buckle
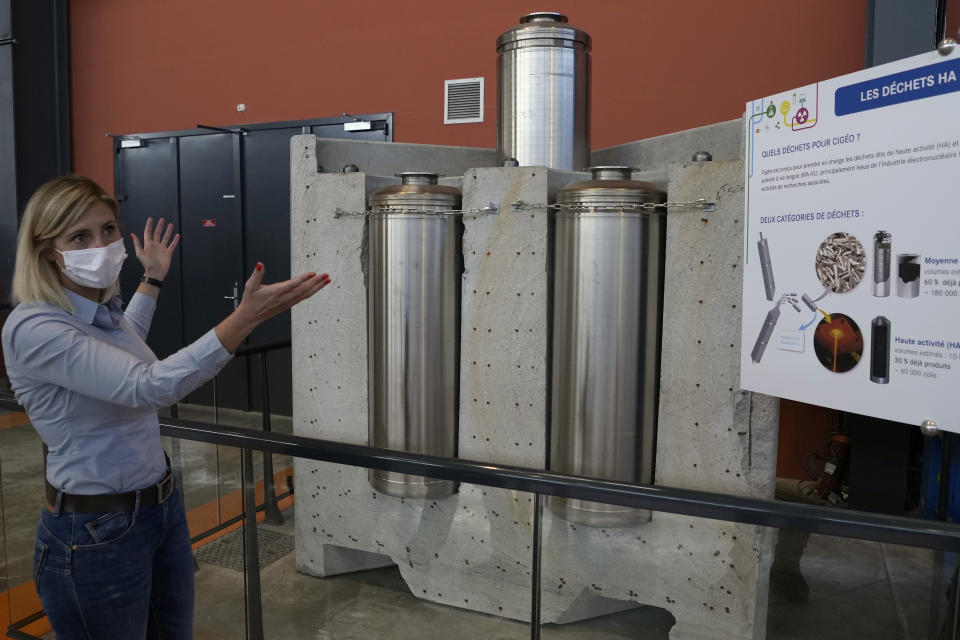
(164, 488)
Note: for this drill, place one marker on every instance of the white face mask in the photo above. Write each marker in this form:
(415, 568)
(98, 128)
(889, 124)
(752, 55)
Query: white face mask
(97, 268)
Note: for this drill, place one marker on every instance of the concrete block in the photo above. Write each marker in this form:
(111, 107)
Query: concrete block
(473, 549)
(505, 316)
(388, 158)
(329, 333)
(709, 431)
(724, 140)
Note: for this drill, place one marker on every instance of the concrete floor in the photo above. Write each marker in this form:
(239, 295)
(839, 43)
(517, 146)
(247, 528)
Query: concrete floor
(821, 587)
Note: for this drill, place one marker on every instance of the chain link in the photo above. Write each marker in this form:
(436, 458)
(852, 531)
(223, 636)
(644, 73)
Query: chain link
(700, 205)
(491, 208)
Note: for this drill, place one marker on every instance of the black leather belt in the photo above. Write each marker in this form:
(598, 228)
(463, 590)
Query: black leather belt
(111, 502)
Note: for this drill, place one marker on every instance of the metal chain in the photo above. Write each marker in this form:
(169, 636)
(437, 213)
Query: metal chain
(491, 208)
(701, 204)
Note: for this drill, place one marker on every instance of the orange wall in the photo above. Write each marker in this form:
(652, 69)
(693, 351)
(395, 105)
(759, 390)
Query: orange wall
(658, 66)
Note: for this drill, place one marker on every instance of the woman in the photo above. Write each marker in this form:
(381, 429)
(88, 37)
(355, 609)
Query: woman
(112, 557)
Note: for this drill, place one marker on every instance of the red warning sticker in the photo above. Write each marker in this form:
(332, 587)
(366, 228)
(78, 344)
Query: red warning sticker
(210, 222)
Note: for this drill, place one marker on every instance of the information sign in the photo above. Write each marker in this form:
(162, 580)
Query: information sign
(851, 288)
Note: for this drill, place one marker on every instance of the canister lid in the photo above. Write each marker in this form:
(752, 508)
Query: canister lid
(544, 25)
(415, 185)
(543, 16)
(610, 185)
(418, 177)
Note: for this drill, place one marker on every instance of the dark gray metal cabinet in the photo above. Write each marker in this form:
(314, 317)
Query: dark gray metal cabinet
(227, 190)
(211, 255)
(148, 188)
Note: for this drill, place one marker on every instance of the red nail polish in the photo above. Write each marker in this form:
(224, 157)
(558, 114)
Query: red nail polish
(259, 266)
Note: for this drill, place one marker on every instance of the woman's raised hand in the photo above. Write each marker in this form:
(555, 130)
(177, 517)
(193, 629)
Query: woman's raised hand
(157, 248)
(261, 302)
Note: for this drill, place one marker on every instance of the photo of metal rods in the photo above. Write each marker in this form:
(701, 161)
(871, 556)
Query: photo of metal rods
(841, 262)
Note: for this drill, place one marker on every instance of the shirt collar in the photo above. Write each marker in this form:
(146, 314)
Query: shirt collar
(105, 316)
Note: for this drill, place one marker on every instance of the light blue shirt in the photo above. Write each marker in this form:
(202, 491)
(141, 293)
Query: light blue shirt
(91, 387)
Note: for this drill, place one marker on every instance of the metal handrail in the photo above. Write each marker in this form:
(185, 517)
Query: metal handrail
(262, 347)
(702, 504)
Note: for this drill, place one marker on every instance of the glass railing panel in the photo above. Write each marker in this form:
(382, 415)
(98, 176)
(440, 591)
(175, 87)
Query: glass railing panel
(878, 590)
(274, 495)
(374, 565)
(216, 480)
(641, 575)
(21, 499)
(602, 575)
(211, 484)
(211, 481)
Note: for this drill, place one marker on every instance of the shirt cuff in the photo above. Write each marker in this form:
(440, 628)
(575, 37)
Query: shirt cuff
(141, 304)
(209, 350)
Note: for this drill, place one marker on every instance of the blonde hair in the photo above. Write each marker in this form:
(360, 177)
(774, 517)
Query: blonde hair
(52, 209)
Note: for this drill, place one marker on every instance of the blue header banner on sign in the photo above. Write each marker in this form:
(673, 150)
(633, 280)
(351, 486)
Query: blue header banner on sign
(913, 84)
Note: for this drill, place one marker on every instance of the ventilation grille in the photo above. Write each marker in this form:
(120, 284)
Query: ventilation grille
(463, 100)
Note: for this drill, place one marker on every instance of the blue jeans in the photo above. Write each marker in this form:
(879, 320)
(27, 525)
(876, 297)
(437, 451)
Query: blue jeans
(127, 574)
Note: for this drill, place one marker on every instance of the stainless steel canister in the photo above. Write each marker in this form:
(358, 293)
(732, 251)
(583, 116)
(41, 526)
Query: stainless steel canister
(880, 350)
(543, 75)
(882, 243)
(413, 326)
(608, 301)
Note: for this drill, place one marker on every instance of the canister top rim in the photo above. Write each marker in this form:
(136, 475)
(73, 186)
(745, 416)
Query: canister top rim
(543, 25)
(543, 16)
(610, 184)
(418, 177)
(611, 171)
(415, 186)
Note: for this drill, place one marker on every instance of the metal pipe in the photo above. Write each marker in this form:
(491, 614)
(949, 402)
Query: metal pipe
(269, 492)
(955, 605)
(943, 514)
(943, 489)
(940, 29)
(251, 552)
(535, 567)
(262, 347)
